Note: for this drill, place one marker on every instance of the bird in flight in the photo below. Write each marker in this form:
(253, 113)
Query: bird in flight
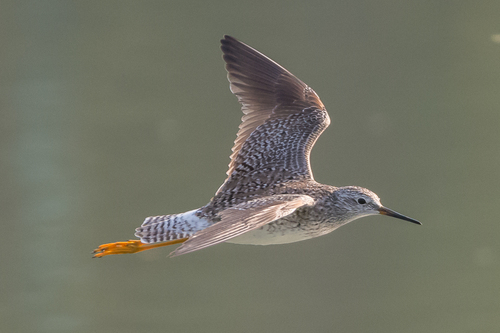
(270, 195)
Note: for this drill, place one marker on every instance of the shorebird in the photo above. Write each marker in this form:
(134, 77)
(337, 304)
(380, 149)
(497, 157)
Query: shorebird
(270, 195)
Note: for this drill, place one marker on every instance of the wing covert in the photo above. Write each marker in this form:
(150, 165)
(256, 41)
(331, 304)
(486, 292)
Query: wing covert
(275, 104)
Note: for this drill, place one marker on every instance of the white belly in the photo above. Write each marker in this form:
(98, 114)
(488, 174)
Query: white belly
(261, 237)
(277, 233)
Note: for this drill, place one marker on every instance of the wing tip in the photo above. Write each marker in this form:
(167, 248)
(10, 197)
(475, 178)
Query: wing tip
(227, 41)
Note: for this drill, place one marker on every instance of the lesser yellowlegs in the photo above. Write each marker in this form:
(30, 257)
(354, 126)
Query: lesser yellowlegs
(269, 195)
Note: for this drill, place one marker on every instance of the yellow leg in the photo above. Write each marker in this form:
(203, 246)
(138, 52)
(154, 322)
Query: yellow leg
(131, 246)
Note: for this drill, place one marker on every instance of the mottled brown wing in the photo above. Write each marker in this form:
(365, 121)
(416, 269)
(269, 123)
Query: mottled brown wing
(242, 218)
(267, 92)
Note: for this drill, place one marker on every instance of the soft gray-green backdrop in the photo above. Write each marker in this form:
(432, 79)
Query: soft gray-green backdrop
(111, 111)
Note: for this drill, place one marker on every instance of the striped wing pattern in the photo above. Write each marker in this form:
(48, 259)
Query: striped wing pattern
(282, 118)
(243, 218)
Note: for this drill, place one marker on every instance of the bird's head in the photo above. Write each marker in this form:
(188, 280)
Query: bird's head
(353, 202)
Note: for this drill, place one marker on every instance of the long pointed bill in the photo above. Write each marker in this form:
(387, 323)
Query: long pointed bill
(390, 212)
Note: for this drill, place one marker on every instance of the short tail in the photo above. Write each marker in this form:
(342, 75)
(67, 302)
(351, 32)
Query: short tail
(165, 228)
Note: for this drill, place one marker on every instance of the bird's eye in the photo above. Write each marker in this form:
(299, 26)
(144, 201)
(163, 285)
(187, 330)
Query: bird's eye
(361, 201)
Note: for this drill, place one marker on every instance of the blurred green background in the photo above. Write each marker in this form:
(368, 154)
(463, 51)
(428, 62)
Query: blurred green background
(112, 111)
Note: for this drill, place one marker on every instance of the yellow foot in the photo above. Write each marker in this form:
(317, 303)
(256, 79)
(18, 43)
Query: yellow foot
(131, 246)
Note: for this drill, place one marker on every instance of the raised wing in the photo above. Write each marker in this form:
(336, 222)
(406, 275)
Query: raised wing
(242, 218)
(282, 119)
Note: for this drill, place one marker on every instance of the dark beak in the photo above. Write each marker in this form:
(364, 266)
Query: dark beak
(390, 212)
